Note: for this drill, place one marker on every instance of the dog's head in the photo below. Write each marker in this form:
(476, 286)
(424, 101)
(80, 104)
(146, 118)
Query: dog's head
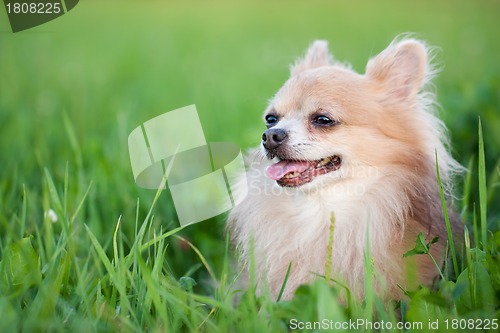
(328, 119)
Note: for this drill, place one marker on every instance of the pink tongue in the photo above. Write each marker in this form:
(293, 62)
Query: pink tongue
(280, 169)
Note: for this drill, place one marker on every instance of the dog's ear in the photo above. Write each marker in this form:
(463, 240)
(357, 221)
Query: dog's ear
(400, 69)
(317, 56)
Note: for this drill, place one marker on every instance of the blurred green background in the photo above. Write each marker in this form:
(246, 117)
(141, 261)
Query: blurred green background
(73, 89)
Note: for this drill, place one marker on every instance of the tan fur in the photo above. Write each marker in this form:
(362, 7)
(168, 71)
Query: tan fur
(387, 136)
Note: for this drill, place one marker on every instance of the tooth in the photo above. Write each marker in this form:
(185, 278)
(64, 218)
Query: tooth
(291, 175)
(324, 161)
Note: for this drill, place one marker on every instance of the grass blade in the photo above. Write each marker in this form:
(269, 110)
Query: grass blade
(161, 237)
(23, 213)
(328, 267)
(54, 196)
(467, 186)
(369, 278)
(200, 255)
(80, 204)
(468, 256)
(474, 225)
(113, 276)
(447, 220)
(284, 282)
(482, 188)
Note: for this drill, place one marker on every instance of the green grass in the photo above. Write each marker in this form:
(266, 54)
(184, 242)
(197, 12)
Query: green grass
(116, 259)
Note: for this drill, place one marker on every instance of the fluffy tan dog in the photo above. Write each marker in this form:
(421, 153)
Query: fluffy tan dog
(361, 147)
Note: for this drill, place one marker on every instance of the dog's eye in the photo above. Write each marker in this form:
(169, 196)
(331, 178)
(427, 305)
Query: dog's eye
(323, 121)
(271, 120)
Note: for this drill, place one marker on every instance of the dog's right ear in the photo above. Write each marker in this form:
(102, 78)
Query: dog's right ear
(317, 56)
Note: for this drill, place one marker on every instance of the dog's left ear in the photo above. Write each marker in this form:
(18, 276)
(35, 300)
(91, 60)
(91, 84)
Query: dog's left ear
(400, 69)
(317, 56)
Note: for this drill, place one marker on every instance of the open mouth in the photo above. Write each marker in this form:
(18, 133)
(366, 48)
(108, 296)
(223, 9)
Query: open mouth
(292, 173)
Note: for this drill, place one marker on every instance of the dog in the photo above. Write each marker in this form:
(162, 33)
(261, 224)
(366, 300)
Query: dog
(354, 154)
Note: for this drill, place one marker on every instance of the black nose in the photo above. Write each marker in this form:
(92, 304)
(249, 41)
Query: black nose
(273, 137)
